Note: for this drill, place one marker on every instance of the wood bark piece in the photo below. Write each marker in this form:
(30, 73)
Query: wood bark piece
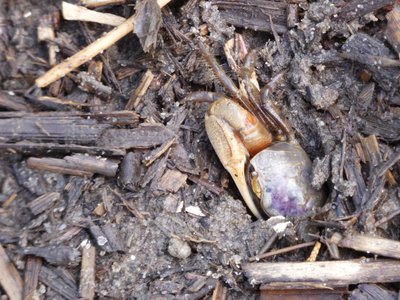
(80, 165)
(60, 282)
(372, 291)
(90, 51)
(358, 8)
(130, 170)
(87, 278)
(10, 279)
(301, 291)
(141, 90)
(172, 181)
(254, 14)
(12, 102)
(371, 244)
(333, 273)
(31, 278)
(63, 127)
(108, 238)
(29, 148)
(56, 255)
(43, 202)
(74, 12)
(144, 137)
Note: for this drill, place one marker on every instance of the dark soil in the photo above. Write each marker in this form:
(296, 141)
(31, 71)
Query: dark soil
(164, 216)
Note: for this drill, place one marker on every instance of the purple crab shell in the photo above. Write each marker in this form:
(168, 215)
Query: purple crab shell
(283, 173)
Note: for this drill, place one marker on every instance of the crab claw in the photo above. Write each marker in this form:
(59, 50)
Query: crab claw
(235, 135)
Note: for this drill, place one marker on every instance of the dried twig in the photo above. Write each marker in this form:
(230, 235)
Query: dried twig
(87, 283)
(281, 251)
(74, 12)
(90, 51)
(10, 279)
(338, 273)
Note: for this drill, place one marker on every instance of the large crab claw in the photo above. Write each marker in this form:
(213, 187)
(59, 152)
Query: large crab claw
(236, 135)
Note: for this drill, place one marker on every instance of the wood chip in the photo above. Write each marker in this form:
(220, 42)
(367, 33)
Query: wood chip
(172, 181)
(79, 165)
(59, 281)
(254, 14)
(144, 137)
(56, 255)
(31, 279)
(10, 279)
(88, 270)
(43, 202)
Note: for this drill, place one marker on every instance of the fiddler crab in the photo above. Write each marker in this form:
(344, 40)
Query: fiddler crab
(256, 145)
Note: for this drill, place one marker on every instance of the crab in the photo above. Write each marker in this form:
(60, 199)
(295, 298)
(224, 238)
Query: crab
(257, 146)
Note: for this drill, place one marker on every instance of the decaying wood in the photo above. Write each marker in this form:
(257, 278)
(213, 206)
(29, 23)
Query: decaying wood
(254, 14)
(43, 202)
(79, 165)
(333, 273)
(300, 291)
(29, 148)
(55, 255)
(171, 181)
(87, 278)
(74, 12)
(373, 291)
(90, 51)
(31, 278)
(373, 54)
(141, 90)
(393, 27)
(107, 238)
(371, 244)
(157, 152)
(388, 130)
(207, 184)
(358, 8)
(66, 127)
(144, 137)
(60, 282)
(12, 102)
(155, 171)
(147, 23)
(130, 170)
(220, 292)
(10, 279)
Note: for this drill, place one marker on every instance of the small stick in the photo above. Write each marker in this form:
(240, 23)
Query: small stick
(9, 200)
(220, 292)
(90, 51)
(74, 12)
(140, 91)
(314, 252)
(10, 279)
(31, 278)
(331, 273)
(98, 3)
(371, 244)
(149, 159)
(87, 281)
(281, 251)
